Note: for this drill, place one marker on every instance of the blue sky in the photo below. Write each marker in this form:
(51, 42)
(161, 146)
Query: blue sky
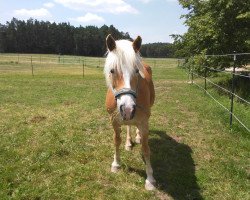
(154, 20)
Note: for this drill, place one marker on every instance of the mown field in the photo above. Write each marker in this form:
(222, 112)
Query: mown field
(56, 139)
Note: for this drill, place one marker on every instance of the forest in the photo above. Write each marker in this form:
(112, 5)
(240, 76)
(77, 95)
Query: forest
(157, 50)
(33, 36)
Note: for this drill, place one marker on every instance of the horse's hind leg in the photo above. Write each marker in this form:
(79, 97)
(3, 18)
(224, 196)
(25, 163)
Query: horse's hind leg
(117, 141)
(138, 136)
(150, 181)
(128, 145)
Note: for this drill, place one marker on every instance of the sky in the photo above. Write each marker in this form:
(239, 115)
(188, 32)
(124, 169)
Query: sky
(153, 20)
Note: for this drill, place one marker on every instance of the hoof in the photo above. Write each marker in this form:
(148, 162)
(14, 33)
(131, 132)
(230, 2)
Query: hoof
(138, 140)
(149, 186)
(128, 148)
(115, 168)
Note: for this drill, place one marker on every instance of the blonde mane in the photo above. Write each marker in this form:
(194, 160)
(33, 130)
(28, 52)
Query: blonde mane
(122, 58)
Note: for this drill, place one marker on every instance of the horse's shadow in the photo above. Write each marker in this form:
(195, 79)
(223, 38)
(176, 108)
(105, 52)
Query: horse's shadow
(174, 168)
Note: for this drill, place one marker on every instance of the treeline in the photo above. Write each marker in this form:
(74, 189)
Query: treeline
(33, 36)
(157, 50)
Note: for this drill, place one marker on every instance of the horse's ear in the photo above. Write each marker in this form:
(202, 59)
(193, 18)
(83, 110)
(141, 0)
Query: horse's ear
(137, 43)
(110, 42)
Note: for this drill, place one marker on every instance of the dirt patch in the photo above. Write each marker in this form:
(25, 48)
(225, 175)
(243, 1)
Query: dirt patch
(37, 119)
(162, 195)
(68, 103)
(177, 139)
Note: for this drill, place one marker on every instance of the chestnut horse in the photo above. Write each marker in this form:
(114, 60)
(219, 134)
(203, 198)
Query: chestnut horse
(129, 97)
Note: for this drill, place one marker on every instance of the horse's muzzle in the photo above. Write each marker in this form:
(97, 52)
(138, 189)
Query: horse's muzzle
(127, 112)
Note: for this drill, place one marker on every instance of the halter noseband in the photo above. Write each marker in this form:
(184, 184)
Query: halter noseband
(123, 91)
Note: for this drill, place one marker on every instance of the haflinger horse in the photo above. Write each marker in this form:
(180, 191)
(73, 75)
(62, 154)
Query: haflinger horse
(129, 97)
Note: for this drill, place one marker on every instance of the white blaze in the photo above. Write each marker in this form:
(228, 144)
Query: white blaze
(127, 100)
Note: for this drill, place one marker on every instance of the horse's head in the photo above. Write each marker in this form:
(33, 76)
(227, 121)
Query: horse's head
(123, 70)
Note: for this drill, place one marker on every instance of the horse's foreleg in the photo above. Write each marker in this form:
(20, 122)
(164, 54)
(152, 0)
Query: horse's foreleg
(128, 145)
(117, 141)
(138, 137)
(150, 181)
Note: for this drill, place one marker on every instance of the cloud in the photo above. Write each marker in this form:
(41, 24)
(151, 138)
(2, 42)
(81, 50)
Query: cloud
(41, 13)
(107, 6)
(89, 18)
(145, 1)
(49, 5)
(172, 1)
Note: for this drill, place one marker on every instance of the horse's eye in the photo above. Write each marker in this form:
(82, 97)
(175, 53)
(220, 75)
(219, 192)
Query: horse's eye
(137, 71)
(112, 71)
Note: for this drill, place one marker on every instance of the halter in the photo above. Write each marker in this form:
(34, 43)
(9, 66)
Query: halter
(124, 91)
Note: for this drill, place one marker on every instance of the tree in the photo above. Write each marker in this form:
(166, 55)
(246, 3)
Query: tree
(33, 36)
(215, 27)
(157, 50)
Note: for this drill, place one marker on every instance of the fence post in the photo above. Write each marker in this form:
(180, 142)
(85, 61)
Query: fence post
(18, 59)
(232, 92)
(83, 65)
(31, 62)
(189, 74)
(205, 76)
(40, 58)
(192, 76)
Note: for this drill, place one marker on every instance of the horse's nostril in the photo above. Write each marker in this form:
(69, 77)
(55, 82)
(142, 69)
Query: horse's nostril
(133, 112)
(121, 108)
(127, 112)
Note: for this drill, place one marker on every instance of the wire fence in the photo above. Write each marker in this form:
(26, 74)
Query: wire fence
(191, 73)
(41, 63)
(35, 63)
(51, 59)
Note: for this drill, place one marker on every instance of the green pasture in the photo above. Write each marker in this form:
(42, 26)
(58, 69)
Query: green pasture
(56, 139)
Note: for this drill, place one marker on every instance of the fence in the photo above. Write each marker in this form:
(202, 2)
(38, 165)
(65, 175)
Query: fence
(32, 62)
(50, 59)
(191, 74)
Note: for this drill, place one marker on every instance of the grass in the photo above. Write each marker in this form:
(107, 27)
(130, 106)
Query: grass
(56, 139)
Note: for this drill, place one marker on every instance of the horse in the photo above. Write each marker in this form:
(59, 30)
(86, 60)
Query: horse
(130, 96)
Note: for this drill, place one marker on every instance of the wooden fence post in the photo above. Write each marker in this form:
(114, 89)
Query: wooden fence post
(31, 62)
(205, 75)
(83, 65)
(192, 76)
(232, 92)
